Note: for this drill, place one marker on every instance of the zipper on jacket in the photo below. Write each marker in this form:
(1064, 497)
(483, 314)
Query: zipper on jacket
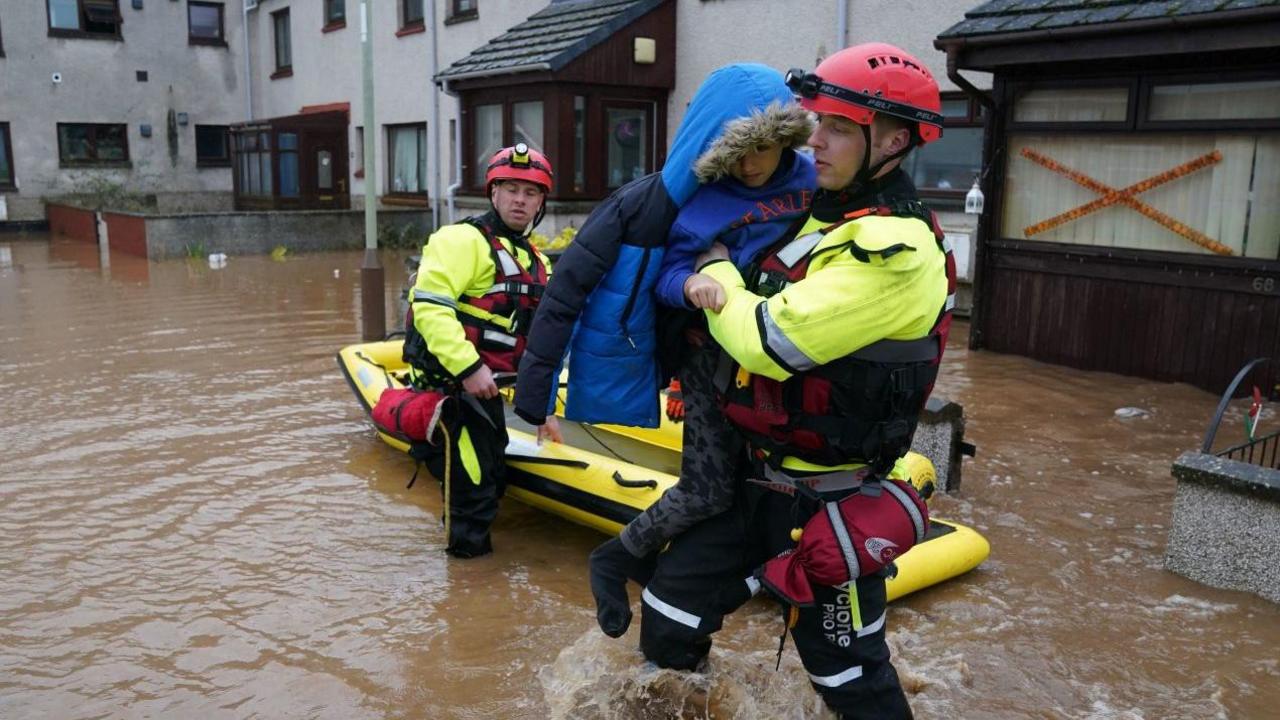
(635, 293)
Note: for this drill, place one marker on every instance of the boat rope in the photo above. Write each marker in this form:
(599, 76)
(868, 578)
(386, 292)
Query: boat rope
(602, 443)
(448, 456)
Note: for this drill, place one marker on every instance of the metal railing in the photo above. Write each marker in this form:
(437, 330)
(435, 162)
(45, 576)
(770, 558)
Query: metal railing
(1263, 451)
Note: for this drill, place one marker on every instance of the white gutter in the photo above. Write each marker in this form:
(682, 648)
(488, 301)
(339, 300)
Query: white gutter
(842, 25)
(500, 71)
(457, 153)
(248, 66)
(433, 127)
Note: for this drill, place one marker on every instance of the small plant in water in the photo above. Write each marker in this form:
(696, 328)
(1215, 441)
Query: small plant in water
(196, 249)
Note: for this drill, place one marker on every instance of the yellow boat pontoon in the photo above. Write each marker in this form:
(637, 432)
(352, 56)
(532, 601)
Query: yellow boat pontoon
(603, 476)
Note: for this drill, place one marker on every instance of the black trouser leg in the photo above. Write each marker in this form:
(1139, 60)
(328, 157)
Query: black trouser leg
(680, 607)
(848, 666)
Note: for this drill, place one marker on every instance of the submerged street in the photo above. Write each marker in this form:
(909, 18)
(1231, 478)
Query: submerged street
(197, 520)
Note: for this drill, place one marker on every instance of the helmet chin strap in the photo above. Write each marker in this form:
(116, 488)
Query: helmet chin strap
(868, 172)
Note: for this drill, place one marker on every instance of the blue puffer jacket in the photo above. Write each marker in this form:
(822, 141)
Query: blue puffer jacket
(599, 303)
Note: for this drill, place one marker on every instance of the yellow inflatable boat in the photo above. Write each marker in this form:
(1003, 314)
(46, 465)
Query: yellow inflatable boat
(603, 476)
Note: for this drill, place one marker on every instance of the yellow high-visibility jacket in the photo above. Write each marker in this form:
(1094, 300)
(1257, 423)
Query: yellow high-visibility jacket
(842, 304)
(457, 261)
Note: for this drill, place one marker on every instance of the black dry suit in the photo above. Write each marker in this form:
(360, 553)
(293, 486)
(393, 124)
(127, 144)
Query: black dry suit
(818, 419)
(471, 305)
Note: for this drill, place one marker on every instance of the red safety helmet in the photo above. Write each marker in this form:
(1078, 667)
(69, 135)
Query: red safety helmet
(865, 79)
(519, 162)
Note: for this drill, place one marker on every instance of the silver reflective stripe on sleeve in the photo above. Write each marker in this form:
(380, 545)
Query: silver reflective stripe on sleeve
(908, 507)
(781, 345)
(424, 296)
(799, 248)
(503, 338)
(838, 679)
(950, 304)
(753, 586)
(509, 266)
(842, 536)
(946, 244)
(875, 626)
(673, 613)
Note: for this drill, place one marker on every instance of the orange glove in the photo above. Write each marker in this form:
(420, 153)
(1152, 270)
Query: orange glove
(675, 402)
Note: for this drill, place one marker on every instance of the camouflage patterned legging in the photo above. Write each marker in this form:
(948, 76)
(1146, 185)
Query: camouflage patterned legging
(712, 448)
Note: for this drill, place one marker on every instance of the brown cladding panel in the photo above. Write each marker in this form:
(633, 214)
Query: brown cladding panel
(612, 62)
(1169, 319)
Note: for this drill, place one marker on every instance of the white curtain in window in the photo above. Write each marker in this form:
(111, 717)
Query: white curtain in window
(1216, 101)
(1108, 104)
(408, 159)
(488, 139)
(1235, 201)
(527, 117)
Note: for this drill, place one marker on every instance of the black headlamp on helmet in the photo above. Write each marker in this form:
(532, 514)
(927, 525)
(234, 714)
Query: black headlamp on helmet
(804, 84)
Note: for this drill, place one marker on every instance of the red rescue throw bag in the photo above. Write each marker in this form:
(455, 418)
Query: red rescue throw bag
(846, 539)
(411, 415)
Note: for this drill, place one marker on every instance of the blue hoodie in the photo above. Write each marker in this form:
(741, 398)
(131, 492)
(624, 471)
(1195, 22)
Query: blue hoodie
(745, 220)
(599, 303)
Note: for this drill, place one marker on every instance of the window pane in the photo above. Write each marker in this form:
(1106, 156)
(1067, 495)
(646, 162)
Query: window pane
(1073, 105)
(211, 142)
(336, 11)
(422, 157)
(1216, 101)
(324, 170)
(408, 159)
(205, 21)
(111, 142)
(453, 152)
(74, 141)
(412, 11)
(64, 14)
(627, 145)
(100, 16)
(948, 164)
(488, 139)
(579, 143)
(955, 109)
(527, 118)
(253, 174)
(6, 172)
(264, 161)
(288, 174)
(284, 53)
(287, 141)
(463, 6)
(1233, 200)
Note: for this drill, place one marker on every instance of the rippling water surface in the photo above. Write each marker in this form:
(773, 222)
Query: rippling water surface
(197, 521)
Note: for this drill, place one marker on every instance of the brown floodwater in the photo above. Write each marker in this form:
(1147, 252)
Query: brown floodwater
(197, 521)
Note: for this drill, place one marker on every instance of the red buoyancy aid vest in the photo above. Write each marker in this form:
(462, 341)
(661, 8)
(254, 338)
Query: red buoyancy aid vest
(863, 407)
(496, 323)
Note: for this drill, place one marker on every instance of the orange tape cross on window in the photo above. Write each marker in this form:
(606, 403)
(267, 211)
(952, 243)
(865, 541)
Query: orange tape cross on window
(1111, 196)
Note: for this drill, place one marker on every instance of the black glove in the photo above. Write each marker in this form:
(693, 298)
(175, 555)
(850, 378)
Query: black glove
(610, 565)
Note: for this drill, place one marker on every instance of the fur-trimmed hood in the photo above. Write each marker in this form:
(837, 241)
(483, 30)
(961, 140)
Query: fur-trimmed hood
(787, 124)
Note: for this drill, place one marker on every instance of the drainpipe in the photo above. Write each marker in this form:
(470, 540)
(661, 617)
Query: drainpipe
(433, 129)
(248, 67)
(842, 25)
(457, 154)
(953, 72)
